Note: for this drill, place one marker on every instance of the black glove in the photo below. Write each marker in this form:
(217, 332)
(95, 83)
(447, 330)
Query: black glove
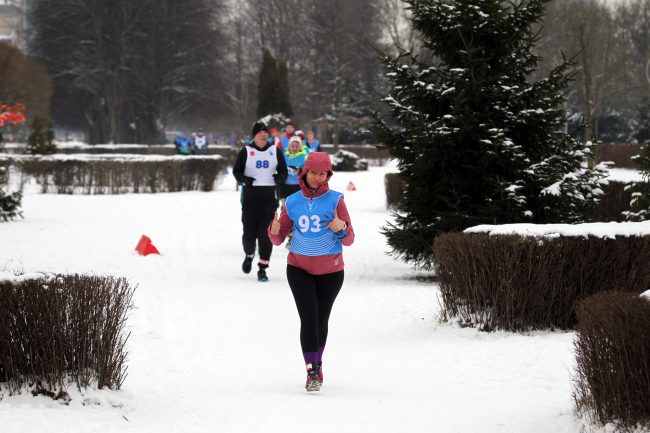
(278, 179)
(248, 181)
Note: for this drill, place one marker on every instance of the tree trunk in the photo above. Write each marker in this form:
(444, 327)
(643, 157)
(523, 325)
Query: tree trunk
(335, 111)
(586, 82)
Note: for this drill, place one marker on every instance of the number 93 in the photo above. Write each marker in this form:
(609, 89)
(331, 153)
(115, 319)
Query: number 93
(306, 224)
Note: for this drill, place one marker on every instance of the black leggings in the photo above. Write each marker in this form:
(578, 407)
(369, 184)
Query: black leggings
(314, 296)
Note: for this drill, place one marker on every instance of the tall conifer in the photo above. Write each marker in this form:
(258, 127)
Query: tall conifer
(266, 86)
(273, 87)
(283, 91)
(475, 141)
(9, 202)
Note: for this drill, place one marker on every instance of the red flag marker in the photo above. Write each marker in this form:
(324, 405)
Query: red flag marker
(145, 247)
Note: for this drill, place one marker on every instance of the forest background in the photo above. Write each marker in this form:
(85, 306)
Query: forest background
(129, 71)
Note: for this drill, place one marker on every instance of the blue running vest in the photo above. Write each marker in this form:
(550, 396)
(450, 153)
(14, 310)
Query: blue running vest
(310, 217)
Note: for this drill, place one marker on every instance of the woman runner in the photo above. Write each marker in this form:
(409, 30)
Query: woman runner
(320, 225)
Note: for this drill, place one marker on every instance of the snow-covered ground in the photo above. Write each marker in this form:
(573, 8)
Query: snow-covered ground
(213, 350)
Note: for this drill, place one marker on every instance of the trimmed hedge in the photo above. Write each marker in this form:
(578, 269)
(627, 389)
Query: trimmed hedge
(119, 174)
(59, 329)
(615, 200)
(395, 186)
(519, 283)
(612, 380)
(620, 154)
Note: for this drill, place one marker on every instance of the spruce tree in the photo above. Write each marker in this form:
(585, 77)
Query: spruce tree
(41, 138)
(283, 91)
(273, 88)
(266, 87)
(475, 141)
(9, 203)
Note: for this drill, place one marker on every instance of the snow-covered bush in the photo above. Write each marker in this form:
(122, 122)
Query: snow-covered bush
(119, 174)
(61, 329)
(372, 154)
(526, 276)
(611, 383)
(345, 160)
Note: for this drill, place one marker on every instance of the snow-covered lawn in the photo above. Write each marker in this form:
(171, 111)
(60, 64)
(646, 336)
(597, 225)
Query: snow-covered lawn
(213, 350)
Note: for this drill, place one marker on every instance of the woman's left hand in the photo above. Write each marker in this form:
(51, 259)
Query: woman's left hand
(336, 225)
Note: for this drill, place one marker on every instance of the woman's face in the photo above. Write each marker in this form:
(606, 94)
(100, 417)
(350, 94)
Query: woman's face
(316, 178)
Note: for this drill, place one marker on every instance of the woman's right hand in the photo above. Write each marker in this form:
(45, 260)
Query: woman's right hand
(275, 225)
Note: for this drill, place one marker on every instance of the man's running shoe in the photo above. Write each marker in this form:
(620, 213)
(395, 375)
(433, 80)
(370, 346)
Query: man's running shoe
(247, 265)
(261, 276)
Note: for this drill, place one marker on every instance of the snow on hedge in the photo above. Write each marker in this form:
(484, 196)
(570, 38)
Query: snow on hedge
(30, 276)
(607, 230)
(123, 157)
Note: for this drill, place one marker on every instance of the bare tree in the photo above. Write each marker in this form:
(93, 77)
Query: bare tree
(396, 21)
(343, 69)
(24, 80)
(122, 69)
(241, 64)
(587, 32)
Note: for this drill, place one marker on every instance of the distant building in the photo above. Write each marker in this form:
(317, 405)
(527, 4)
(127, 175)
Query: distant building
(12, 23)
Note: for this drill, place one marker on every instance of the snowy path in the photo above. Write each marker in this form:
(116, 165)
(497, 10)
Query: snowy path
(213, 350)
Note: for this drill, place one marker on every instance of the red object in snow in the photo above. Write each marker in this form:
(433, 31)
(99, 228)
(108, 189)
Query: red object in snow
(351, 187)
(145, 247)
(12, 113)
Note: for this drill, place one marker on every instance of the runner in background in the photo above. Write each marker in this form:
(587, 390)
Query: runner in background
(259, 167)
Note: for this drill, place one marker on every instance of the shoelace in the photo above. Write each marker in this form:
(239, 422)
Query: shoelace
(313, 384)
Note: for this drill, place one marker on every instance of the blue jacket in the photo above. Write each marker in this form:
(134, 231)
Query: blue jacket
(295, 161)
(183, 145)
(314, 145)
